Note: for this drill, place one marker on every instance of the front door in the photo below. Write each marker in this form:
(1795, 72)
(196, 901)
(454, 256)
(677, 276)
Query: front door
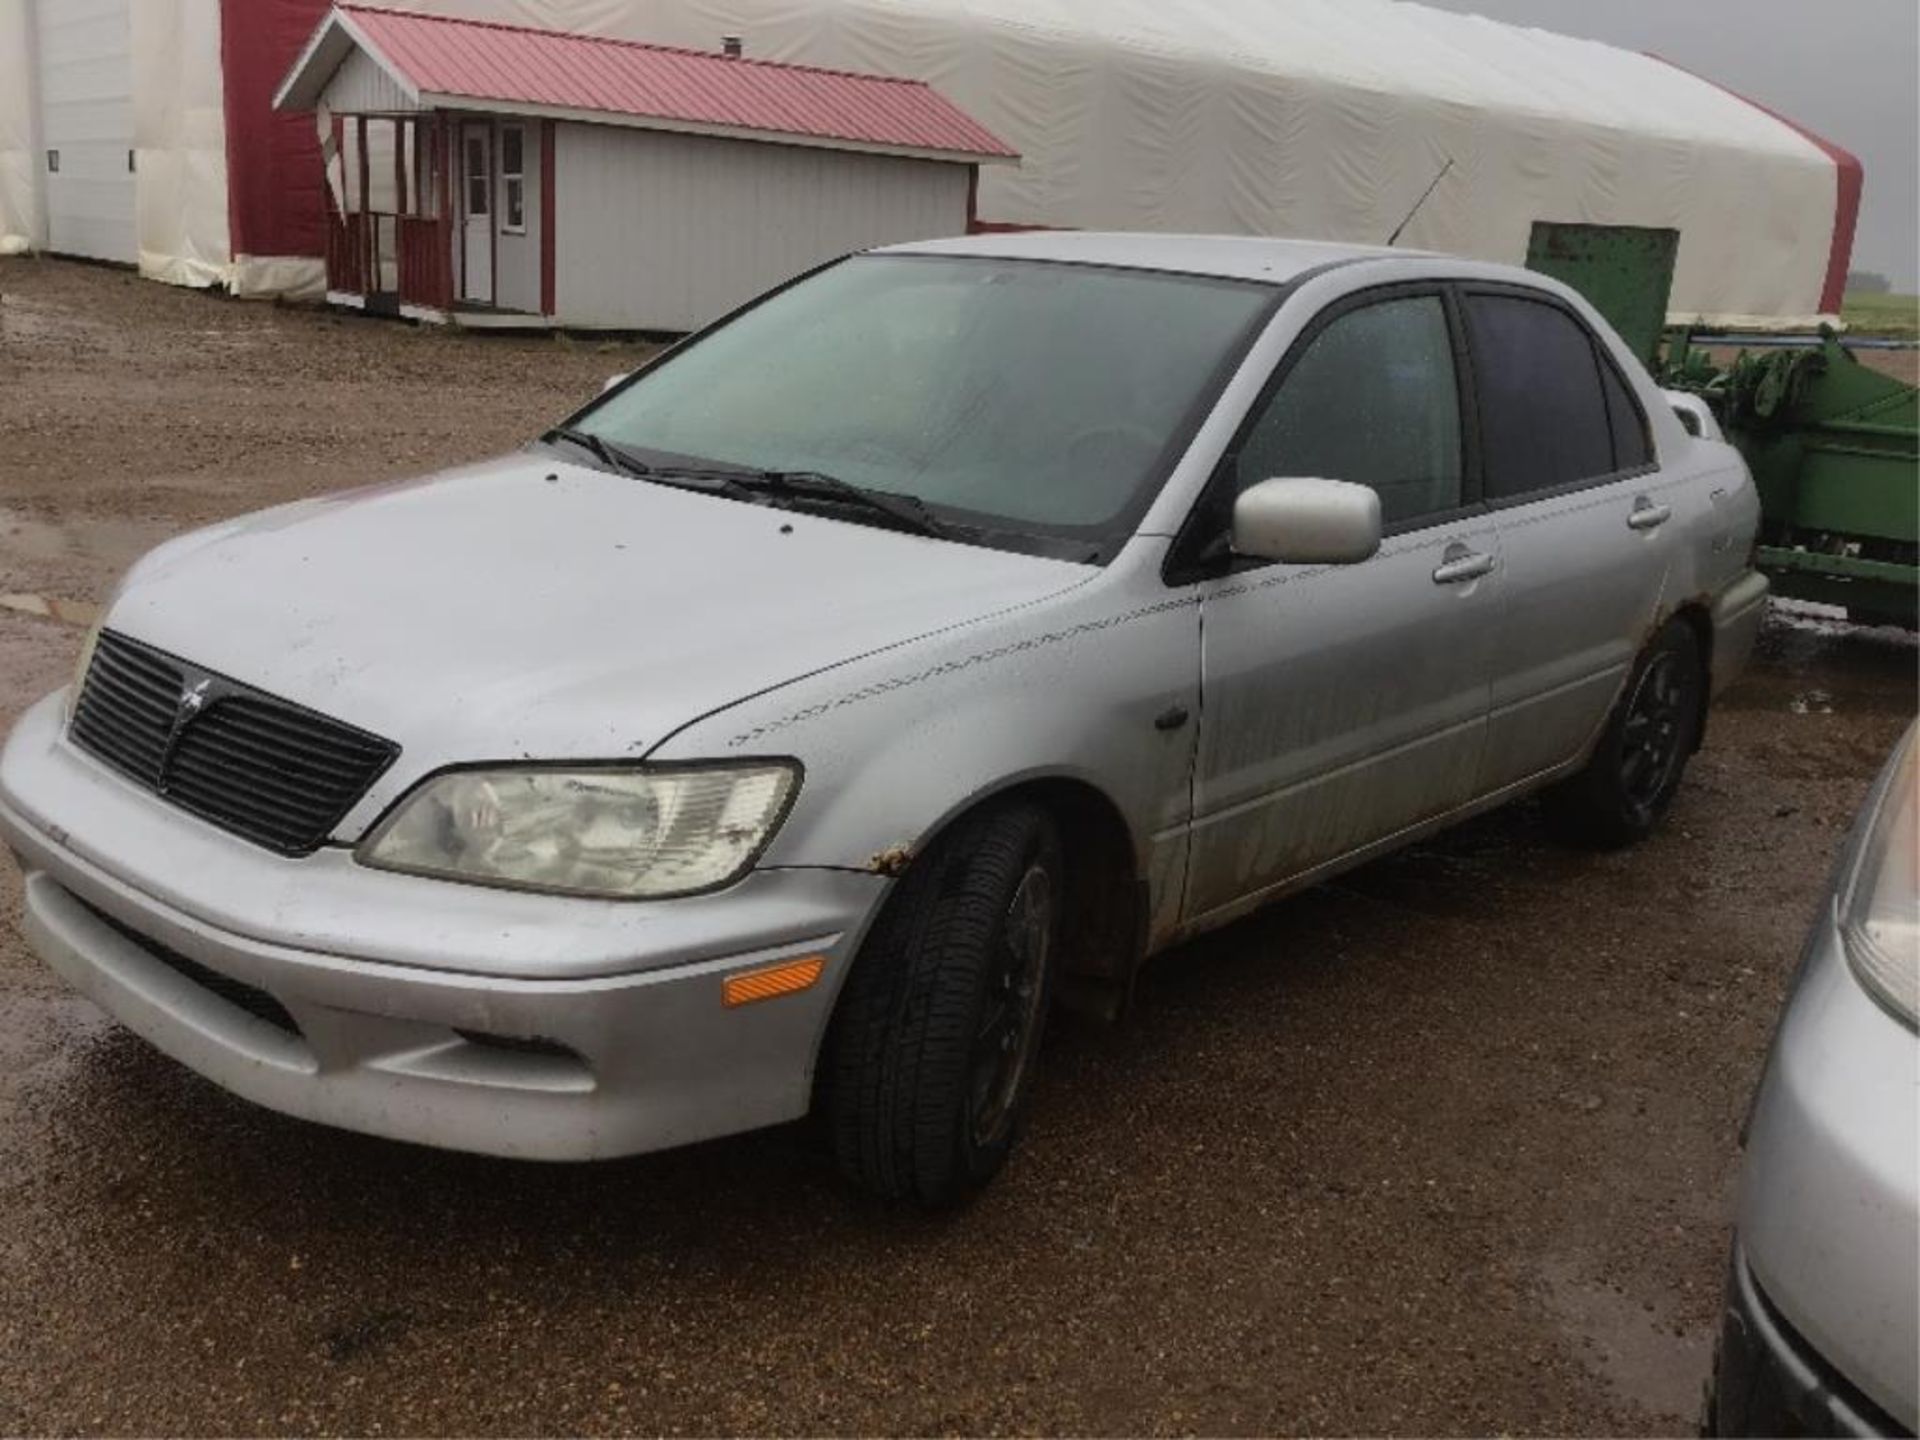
(1341, 704)
(476, 213)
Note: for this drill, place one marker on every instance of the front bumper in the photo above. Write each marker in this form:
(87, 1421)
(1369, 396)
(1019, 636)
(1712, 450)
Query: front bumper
(1828, 1231)
(518, 1055)
(1770, 1381)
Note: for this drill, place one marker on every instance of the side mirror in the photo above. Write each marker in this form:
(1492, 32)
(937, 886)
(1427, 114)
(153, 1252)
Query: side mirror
(1307, 521)
(613, 380)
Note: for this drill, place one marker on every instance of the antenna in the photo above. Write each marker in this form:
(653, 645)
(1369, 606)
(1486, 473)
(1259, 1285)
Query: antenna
(1421, 201)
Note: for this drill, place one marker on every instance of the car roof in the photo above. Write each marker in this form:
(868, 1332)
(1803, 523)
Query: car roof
(1240, 257)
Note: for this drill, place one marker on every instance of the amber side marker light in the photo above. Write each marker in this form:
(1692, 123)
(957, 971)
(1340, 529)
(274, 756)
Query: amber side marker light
(785, 978)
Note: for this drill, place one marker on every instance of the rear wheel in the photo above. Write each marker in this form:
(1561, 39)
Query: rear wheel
(1635, 770)
(931, 1053)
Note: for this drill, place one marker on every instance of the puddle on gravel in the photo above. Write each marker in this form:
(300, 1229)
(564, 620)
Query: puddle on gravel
(22, 319)
(112, 540)
(39, 1035)
(1641, 1355)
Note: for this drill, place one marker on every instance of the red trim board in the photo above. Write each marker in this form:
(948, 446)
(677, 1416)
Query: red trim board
(1850, 179)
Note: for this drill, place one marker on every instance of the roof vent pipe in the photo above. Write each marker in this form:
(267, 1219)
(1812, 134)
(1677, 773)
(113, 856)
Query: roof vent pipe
(730, 46)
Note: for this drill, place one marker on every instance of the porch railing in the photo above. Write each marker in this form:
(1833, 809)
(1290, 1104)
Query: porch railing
(426, 263)
(347, 253)
(424, 257)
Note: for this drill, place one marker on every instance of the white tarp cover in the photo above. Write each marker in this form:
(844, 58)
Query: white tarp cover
(1313, 118)
(179, 131)
(19, 209)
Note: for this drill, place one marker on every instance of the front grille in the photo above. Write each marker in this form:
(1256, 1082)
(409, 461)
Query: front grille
(266, 769)
(257, 1003)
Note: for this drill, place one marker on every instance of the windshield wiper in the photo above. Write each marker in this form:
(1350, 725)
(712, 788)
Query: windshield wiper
(606, 452)
(906, 512)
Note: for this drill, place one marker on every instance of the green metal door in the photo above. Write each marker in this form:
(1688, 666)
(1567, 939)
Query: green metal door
(1624, 271)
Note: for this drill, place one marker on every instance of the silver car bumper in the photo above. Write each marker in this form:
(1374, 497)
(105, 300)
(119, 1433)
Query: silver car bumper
(1829, 1220)
(526, 1057)
(1737, 611)
(1770, 1381)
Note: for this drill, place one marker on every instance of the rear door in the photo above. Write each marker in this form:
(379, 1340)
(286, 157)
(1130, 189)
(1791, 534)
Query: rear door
(1343, 703)
(1583, 514)
(85, 53)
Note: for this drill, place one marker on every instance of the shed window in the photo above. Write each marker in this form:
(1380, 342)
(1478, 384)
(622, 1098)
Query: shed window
(479, 191)
(513, 179)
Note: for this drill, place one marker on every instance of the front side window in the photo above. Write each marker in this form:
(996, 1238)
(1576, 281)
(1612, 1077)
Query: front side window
(1543, 415)
(1015, 396)
(513, 180)
(1372, 399)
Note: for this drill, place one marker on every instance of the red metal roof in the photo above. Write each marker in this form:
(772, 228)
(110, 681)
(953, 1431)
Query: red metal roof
(487, 61)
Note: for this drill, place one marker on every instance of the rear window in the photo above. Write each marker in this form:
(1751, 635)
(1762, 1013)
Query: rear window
(1544, 421)
(1630, 448)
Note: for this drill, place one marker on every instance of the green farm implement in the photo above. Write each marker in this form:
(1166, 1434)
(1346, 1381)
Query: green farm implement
(1835, 452)
(1834, 445)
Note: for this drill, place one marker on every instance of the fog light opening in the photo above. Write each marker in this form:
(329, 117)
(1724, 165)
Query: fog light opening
(518, 1044)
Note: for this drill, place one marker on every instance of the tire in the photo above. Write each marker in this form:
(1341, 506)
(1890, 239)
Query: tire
(1631, 778)
(930, 1056)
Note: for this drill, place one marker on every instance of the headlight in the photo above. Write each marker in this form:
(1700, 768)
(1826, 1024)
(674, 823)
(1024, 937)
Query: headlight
(625, 834)
(1880, 912)
(80, 666)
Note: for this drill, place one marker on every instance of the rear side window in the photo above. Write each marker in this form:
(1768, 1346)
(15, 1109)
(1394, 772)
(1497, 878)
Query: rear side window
(1630, 449)
(1372, 399)
(1543, 413)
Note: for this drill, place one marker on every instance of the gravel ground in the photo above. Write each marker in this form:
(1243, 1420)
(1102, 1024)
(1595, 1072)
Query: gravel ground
(1447, 1146)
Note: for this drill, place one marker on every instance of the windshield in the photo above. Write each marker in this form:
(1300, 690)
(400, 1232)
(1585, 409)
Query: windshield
(1039, 398)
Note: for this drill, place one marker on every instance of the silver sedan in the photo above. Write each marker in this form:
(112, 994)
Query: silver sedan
(920, 647)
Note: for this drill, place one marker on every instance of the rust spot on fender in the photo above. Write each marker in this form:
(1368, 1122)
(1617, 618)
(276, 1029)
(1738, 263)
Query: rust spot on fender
(891, 861)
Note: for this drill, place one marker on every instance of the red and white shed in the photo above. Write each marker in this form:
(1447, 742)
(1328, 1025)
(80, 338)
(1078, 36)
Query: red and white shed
(490, 174)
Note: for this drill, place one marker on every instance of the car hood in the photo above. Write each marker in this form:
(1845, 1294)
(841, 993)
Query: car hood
(530, 608)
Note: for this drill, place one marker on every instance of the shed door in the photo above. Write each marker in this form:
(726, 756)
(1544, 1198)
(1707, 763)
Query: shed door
(86, 127)
(476, 213)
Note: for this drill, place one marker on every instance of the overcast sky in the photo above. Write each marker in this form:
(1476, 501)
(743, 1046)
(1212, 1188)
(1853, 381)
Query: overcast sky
(1846, 69)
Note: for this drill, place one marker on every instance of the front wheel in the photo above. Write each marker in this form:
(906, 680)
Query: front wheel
(1635, 770)
(931, 1052)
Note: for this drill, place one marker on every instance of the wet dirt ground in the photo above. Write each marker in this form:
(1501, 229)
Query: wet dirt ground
(1448, 1146)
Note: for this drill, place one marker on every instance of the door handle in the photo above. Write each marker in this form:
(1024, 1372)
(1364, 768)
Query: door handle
(1647, 515)
(1470, 566)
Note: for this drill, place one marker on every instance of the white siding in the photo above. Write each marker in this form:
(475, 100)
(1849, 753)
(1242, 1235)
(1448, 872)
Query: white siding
(361, 87)
(517, 257)
(86, 119)
(666, 232)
